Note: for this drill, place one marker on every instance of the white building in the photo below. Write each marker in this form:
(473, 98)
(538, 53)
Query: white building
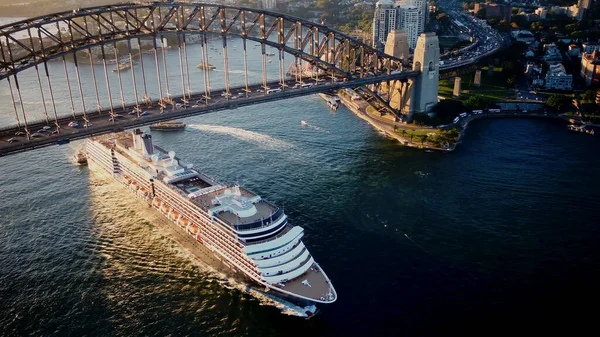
(386, 19)
(409, 16)
(557, 78)
(409, 23)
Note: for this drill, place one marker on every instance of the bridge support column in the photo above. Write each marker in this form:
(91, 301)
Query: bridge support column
(427, 61)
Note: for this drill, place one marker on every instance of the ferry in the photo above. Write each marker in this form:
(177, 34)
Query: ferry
(123, 65)
(250, 235)
(581, 128)
(208, 66)
(167, 126)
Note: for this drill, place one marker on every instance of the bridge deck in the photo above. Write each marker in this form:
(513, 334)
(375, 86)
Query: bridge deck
(100, 123)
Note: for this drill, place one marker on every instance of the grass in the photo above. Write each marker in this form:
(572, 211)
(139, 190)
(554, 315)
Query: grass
(492, 87)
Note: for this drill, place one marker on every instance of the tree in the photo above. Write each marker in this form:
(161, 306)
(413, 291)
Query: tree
(446, 110)
(475, 102)
(421, 119)
(481, 13)
(558, 102)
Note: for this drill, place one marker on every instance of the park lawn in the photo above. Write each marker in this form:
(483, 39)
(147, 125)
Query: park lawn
(492, 87)
(416, 132)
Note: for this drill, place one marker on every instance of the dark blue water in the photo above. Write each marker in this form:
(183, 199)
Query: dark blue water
(499, 235)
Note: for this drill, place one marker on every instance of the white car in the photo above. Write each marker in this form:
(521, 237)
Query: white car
(195, 106)
(73, 124)
(144, 113)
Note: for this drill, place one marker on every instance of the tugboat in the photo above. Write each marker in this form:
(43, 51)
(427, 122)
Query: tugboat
(167, 126)
(208, 66)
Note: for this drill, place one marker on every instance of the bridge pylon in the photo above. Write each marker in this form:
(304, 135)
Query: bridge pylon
(425, 88)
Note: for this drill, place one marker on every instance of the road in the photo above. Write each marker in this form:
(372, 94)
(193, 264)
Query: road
(14, 140)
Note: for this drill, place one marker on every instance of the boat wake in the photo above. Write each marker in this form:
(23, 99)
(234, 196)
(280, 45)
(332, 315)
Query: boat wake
(314, 127)
(262, 140)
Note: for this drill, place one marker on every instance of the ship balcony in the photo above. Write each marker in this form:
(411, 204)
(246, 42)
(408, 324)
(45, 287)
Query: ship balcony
(280, 258)
(288, 266)
(299, 269)
(272, 245)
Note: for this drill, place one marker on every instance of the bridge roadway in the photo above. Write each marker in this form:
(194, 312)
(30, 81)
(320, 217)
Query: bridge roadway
(101, 124)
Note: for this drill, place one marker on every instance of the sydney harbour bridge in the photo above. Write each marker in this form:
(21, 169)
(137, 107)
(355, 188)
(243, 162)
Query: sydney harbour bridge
(121, 66)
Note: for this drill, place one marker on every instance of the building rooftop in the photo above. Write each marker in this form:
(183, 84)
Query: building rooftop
(556, 70)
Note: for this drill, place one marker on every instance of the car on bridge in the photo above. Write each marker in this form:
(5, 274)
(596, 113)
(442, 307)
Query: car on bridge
(37, 135)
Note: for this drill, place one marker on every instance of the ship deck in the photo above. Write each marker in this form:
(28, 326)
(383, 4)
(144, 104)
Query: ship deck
(264, 211)
(318, 289)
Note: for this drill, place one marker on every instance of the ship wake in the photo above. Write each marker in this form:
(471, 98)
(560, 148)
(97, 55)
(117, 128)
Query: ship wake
(259, 139)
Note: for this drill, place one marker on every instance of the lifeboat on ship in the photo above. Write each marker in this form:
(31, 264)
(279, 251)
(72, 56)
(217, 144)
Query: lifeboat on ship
(165, 209)
(193, 229)
(134, 185)
(156, 203)
(128, 179)
(183, 222)
(174, 215)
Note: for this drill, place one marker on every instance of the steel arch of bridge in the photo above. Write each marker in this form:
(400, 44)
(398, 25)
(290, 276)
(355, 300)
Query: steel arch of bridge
(325, 47)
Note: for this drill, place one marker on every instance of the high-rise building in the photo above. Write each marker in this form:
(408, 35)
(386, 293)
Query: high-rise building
(584, 4)
(269, 4)
(406, 15)
(590, 68)
(409, 23)
(386, 19)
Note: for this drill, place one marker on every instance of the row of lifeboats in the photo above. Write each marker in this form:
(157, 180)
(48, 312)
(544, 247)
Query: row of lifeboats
(173, 215)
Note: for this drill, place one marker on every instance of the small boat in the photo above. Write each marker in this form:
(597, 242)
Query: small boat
(122, 66)
(208, 66)
(270, 54)
(167, 126)
(303, 123)
(80, 158)
(270, 60)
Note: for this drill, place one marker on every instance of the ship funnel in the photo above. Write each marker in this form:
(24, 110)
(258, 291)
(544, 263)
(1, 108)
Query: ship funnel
(147, 147)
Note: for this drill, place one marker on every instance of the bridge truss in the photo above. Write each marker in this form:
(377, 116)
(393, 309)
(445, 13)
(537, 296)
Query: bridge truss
(78, 35)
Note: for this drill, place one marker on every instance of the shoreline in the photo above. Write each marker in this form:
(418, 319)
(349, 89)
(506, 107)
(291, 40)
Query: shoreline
(387, 130)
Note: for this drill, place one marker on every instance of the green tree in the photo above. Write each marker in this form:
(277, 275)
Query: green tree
(481, 13)
(475, 102)
(421, 119)
(446, 110)
(558, 102)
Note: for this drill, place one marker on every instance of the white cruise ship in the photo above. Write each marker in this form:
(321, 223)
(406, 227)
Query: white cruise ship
(247, 233)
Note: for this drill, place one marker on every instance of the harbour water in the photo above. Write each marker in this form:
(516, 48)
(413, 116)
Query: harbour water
(501, 232)
(498, 235)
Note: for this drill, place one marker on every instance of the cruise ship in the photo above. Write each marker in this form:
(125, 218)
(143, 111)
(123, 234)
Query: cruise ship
(248, 234)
